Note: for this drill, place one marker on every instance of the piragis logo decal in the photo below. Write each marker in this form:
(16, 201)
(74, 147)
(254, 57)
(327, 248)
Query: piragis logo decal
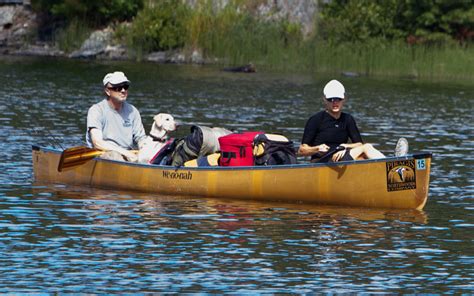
(401, 175)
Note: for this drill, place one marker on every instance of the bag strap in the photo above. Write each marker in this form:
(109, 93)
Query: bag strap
(226, 157)
(242, 151)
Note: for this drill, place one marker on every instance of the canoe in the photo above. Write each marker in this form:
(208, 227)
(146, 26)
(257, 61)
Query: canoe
(393, 182)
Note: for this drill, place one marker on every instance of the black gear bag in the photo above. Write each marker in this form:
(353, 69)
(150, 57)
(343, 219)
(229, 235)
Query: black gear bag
(272, 149)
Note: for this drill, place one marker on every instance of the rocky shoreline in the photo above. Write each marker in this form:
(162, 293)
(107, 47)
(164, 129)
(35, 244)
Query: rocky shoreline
(19, 23)
(19, 27)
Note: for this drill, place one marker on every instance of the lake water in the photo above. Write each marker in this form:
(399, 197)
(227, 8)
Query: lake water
(60, 239)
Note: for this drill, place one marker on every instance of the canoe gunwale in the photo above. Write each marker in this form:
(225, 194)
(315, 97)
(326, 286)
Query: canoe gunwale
(419, 155)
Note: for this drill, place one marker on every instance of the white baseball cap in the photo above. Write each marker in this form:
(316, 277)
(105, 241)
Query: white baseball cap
(334, 89)
(115, 78)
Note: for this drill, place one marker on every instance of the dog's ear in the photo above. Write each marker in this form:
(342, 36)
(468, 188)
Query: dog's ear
(158, 120)
(154, 129)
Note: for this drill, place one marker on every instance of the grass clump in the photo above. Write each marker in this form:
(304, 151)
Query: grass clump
(232, 33)
(395, 58)
(235, 36)
(72, 36)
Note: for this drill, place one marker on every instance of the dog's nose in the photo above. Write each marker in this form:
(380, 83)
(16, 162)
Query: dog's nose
(178, 123)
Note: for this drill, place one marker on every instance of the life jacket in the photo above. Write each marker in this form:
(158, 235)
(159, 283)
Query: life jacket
(202, 141)
(163, 157)
(204, 161)
(272, 149)
(236, 149)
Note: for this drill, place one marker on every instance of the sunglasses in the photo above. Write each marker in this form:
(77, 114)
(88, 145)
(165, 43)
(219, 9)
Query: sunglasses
(334, 99)
(119, 87)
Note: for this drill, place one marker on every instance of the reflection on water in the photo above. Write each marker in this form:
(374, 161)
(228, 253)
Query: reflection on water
(65, 239)
(129, 243)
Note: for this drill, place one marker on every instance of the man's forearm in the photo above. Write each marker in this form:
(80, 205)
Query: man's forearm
(306, 150)
(101, 144)
(108, 146)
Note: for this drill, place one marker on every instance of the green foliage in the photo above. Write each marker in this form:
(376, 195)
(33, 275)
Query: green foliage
(159, 27)
(435, 21)
(358, 20)
(413, 38)
(431, 22)
(92, 12)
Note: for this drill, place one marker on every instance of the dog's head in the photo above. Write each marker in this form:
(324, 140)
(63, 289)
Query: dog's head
(162, 125)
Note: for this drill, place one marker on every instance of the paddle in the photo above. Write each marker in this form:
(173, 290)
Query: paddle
(75, 156)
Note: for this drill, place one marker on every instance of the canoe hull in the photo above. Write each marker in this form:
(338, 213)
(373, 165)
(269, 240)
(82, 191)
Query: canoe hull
(388, 183)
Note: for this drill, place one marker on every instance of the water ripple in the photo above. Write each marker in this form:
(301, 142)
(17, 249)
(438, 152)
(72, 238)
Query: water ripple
(60, 239)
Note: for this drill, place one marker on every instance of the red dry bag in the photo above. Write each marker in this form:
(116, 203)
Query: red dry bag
(236, 149)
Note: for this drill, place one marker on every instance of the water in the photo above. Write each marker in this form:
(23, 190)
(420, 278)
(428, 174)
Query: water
(64, 239)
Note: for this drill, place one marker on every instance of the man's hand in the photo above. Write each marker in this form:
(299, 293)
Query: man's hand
(323, 148)
(130, 155)
(338, 155)
(101, 144)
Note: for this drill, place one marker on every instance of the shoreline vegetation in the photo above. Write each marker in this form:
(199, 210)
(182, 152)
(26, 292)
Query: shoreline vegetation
(355, 37)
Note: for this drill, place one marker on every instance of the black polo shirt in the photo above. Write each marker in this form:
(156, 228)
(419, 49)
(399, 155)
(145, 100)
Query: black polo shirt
(322, 128)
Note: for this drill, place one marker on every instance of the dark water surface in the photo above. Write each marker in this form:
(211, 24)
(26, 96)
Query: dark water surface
(65, 239)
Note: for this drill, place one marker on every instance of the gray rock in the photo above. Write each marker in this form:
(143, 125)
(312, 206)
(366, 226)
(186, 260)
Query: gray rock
(158, 57)
(115, 52)
(17, 23)
(196, 57)
(295, 11)
(94, 45)
(350, 74)
(86, 54)
(38, 50)
(177, 58)
(6, 16)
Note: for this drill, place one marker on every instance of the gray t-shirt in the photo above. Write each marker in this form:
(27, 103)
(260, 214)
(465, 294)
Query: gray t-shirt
(124, 128)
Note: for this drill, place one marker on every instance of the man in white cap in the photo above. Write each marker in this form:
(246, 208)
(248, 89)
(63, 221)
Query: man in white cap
(327, 132)
(113, 125)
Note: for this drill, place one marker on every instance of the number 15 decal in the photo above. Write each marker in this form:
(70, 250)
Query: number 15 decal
(420, 164)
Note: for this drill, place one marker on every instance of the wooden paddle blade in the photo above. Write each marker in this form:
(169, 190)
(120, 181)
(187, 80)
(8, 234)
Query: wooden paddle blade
(76, 156)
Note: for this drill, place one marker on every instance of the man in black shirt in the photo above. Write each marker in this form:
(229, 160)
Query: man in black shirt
(327, 132)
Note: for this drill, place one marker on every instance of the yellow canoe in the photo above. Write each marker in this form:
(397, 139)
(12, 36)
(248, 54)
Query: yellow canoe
(395, 182)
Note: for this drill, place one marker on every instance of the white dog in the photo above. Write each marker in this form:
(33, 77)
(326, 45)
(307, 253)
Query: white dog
(163, 124)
